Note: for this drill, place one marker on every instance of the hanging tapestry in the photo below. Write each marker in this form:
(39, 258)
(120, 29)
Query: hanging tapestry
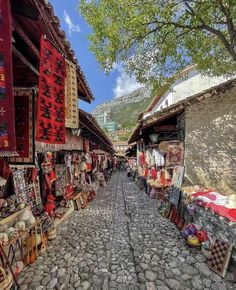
(178, 176)
(18, 176)
(50, 127)
(7, 118)
(71, 96)
(24, 113)
(175, 154)
(60, 170)
(26, 191)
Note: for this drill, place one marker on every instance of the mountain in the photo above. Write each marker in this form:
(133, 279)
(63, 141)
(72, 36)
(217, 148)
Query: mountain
(124, 111)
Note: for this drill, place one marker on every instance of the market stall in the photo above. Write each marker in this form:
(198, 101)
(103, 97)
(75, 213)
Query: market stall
(47, 162)
(204, 215)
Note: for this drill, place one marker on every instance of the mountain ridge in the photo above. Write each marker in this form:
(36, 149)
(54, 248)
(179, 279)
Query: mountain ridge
(134, 97)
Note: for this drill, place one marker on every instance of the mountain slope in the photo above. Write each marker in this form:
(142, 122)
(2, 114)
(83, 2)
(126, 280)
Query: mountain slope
(125, 110)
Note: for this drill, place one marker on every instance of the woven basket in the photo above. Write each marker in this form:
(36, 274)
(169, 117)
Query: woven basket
(51, 234)
(6, 280)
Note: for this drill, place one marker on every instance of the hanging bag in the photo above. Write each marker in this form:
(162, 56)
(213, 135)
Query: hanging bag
(6, 279)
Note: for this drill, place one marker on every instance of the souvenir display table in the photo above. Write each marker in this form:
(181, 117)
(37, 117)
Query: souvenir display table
(67, 212)
(13, 217)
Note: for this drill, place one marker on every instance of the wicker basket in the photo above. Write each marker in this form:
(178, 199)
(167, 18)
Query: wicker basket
(51, 234)
(6, 279)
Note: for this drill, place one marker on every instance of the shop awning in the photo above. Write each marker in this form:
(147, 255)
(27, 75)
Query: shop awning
(177, 108)
(92, 130)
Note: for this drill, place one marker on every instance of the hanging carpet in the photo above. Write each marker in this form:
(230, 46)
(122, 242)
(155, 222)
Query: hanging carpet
(71, 96)
(60, 170)
(7, 118)
(50, 127)
(24, 113)
(175, 154)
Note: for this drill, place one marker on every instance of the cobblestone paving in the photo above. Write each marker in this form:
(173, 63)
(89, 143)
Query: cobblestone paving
(121, 242)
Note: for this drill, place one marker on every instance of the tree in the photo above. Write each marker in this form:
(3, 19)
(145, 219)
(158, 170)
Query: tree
(156, 38)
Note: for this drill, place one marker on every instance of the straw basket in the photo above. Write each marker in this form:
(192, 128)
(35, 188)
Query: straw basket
(51, 234)
(6, 280)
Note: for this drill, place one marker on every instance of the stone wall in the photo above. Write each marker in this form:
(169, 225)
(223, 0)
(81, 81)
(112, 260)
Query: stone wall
(210, 152)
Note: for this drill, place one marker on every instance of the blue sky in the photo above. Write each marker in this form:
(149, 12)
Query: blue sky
(103, 87)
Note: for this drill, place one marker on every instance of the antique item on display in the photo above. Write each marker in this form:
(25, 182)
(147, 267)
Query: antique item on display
(20, 226)
(51, 234)
(4, 239)
(6, 279)
(220, 256)
(193, 240)
(26, 216)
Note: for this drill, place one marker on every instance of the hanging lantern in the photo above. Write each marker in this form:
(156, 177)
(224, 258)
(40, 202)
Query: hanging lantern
(153, 137)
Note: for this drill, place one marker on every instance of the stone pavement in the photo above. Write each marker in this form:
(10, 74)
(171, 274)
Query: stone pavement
(120, 241)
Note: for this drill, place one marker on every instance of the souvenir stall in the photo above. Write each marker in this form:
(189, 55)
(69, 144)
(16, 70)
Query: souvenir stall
(160, 153)
(205, 218)
(40, 170)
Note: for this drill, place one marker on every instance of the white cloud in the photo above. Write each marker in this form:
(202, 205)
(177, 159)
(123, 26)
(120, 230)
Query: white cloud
(124, 84)
(71, 26)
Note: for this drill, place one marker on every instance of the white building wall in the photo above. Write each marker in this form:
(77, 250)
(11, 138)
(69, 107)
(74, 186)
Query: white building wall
(194, 85)
(185, 86)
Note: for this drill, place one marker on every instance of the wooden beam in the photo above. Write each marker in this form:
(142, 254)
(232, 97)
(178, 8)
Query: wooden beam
(24, 36)
(24, 60)
(25, 9)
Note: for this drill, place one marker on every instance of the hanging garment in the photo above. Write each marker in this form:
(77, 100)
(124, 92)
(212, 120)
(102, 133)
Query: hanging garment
(148, 157)
(88, 162)
(158, 157)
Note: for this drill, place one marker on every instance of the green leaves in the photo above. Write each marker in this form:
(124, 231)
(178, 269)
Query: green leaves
(156, 38)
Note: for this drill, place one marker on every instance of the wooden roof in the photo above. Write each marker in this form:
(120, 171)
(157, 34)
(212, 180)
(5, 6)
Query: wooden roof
(31, 20)
(179, 107)
(92, 130)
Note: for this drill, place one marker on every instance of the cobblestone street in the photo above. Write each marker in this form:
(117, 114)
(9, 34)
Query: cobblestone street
(120, 241)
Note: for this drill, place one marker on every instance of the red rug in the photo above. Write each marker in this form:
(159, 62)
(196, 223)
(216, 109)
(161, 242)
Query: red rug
(175, 154)
(50, 126)
(7, 118)
(24, 112)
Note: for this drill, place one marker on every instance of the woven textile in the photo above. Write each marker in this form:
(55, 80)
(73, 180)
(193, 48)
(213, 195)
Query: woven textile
(7, 118)
(71, 96)
(50, 127)
(24, 112)
(60, 170)
(175, 154)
